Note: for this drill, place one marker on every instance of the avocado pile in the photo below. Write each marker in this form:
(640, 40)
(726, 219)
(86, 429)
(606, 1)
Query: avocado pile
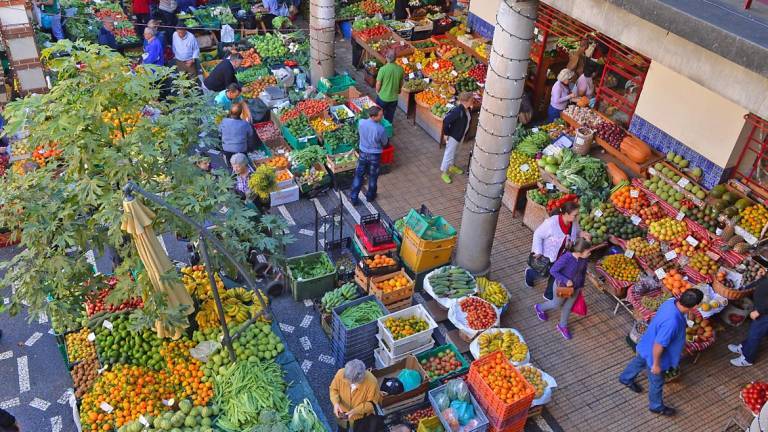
(727, 202)
(610, 222)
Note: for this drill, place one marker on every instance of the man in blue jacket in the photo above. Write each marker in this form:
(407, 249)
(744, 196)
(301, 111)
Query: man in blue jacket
(455, 127)
(660, 348)
(758, 330)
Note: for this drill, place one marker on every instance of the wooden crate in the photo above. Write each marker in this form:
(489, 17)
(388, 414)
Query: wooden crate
(394, 297)
(431, 124)
(361, 279)
(534, 215)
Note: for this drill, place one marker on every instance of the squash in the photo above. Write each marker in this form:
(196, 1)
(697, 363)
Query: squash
(616, 174)
(635, 149)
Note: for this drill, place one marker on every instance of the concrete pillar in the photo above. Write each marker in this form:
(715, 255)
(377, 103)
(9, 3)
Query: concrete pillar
(507, 68)
(322, 32)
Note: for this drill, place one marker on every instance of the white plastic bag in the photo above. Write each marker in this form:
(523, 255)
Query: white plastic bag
(204, 349)
(227, 34)
(547, 395)
(474, 347)
(711, 296)
(443, 301)
(459, 319)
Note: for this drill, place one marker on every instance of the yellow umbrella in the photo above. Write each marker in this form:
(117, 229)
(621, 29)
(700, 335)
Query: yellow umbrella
(137, 221)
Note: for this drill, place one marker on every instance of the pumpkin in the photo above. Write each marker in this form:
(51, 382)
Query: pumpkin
(635, 149)
(583, 102)
(616, 174)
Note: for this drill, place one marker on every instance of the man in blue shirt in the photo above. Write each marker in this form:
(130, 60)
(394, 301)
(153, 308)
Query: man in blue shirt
(153, 50)
(373, 139)
(660, 348)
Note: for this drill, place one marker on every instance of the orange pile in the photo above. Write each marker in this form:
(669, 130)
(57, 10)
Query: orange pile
(675, 283)
(278, 162)
(250, 58)
(379, 261)
(393, 284)
(430, 97)
(623, 198)
(187, 375)
(284, 175)
(505, 382)
(43, 153)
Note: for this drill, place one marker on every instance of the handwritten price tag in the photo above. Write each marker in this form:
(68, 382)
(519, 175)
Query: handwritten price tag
(751, 239)
(629, 253)
(411, 75)
(419, 66)
(598, 213)
(426, 80)
(405, 60)
(107, 324)
(718, 232)
(683, 182)
(635, 219)
(634, 193)
(107, 408)
(550, 186)
(524, 167)
(143, 421)
(660, 273)
(454, 73)
(168, 402)
(91, 337)
(436, 65)
(692, 241)
(652, 171)
(534, 130)
(680, 216)
(670, 255)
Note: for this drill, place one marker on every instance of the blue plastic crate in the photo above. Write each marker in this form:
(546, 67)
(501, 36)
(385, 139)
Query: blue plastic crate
(354, 351)
(341, 360)
(479, 413)
(365, 329)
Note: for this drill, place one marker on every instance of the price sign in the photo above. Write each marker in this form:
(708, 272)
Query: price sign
(683, 182)
(91, 337)
(107, 408)
(651, 241)
(213, 152)
(481, 84)
(751, 239)
(692, 241)
(402, 43)
(449, 105)
(718, 232)
(598, 213)
(436, 65)
(224, 210)
(168, 402)
(635, 219)
(670, 255)
(100, 371)
(550, 186)
(143, 421)
(524, 167)
(454, 73)
(426, 80)
(418, 66)
(107, 324)
(680, 216)
(405, 60)
(629, 253)
(411, 76)
(534, 130)
(634, 193)
(652, 171)
(660, 273)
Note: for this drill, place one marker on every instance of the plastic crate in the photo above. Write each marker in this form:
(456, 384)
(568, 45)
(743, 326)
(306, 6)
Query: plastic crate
(395, 345)
(385, 357)
(425, 244)
(298, 143)
(495, 407)
(388, 154)
(342, 333)
(378, 271)
(479, 413)
(440, 380)
(310, 288)
(395, 296)
(431, 424)
(371, 248)
(419, 260)
(338, 84)
(421, 225)
(374, 230)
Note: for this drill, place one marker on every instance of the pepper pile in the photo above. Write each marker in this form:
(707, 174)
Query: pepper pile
(557, 203)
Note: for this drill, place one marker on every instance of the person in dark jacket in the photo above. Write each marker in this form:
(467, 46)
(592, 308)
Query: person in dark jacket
(569, 271)
(402, 10)
(106, 35)
(758, 330)
(455, 127)
(8, 422)
(223, 74)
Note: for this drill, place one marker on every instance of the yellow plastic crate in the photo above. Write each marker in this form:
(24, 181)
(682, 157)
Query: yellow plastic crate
(428, 244)
(430, 424)
(418, 259)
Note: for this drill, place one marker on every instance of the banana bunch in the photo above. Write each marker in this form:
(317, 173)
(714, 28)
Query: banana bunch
(505, 341)
(207, 317)
(235, 310)
(492, 292)
(240, 293)
(337, 297)
(236, 306)
(196, 281)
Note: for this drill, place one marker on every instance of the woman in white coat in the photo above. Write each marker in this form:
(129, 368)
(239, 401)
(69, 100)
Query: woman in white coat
(552, 238)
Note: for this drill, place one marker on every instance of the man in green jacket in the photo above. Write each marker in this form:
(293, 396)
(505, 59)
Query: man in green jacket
(389, 81)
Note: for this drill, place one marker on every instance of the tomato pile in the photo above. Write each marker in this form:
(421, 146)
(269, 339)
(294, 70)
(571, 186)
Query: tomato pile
(312, 107)
(503, 379)
(373, 32)
(290, 115)
(441, 364)
(755, 394)
(480, 314)
(418, 415)
(558, 202)
(478, 72)
(97, 302)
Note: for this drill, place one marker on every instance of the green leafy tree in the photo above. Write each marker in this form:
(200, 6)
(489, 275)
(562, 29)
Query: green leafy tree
(112, 126)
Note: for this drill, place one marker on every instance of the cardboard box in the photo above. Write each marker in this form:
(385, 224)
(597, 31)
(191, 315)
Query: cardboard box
(392, 371)
(284, 196)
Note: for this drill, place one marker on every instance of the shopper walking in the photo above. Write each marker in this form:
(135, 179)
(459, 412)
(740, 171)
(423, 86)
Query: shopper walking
(389, 81)
(455, 127)
(223, 74)
(758, 330)
(167, 11)
(550, 240)
(353, 392)
(186, 51)
(242, 172)
(561, 95)
(373, 139)
(660, 349)
(569, 272)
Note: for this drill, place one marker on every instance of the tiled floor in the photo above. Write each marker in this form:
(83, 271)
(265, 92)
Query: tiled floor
(586, 368)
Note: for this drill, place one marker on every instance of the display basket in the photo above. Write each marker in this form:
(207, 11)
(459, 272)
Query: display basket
(335, 84)
(298, 143)
(336, 168)
(395, 296)
(378, 271)
(499, 411)
(694, 276)
(440, 380)
(730, 293)
(483, 424)
(397, 346)
(641, 312)
(429, 228)
(620, 287)
(365, 330)
(693, 348)
(385, 358)
(369, 247)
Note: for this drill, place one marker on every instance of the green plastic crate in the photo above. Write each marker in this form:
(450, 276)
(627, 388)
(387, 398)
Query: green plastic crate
(429, 228)
(310, 288)
(437, 382)
(339, 149)
(339, 83)
(298, 143)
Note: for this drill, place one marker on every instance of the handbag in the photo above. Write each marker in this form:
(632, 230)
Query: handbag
(369, 423)
(580, 305)
(564, 291)
(540, 264)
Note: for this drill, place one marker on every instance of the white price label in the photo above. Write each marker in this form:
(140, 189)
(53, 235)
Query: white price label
(426, 80)
(534, 130)
(635, 219)
(550, 186)
(405, 60)
(629, 253)
(683, 182)
(634, 193)
(598, 213)
(651, 241)
(91, 337)
(524, 167)
(692, 241)
(402, 43)
(168, 402)
(751, 239)
(652, 171)
(100, 371)
(660, 273)
(450, 106)
(419, 66)
(680, 216)
(718, 231)
(143, 421)
(107, 408)
(107, 324)
(481, 85)
(411, 75)
(670, 255)
(454, 73)
(436, 65)
(213, 152)
(224, 210)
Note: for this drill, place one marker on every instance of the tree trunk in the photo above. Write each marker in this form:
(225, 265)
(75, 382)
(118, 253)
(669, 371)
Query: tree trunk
(507, 69)
(322, 32)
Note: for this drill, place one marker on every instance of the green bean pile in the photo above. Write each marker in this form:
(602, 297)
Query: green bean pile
(358, 315)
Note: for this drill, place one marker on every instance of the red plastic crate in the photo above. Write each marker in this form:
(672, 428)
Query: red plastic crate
(515, 423)
(495, 408)
(388, 155)
(367, 243)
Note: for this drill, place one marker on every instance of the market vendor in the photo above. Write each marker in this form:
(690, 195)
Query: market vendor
(167, 11)
(223, 74)
(373, 139)
(455, 127)
(561, 95)
(237, 135)
(50, 17)
(353, 392)
(402, 9)
(153, 49)
(106, 35)
(389, 81)
(585, 85)
(242, 172)
(758, 330)
(186, 51)
(233, 95)
(660, 349)
(275, 8)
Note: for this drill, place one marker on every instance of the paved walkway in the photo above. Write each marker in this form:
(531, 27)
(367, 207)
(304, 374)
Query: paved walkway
(586, 368)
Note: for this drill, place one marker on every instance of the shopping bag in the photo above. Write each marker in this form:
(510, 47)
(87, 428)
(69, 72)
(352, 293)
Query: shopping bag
(580, 305)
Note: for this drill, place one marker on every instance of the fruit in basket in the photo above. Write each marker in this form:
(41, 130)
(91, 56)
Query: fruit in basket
(668, 229)
(688, 249)
(257, 341)
(522, 169)
(441, 364)
(492, 291)
(418, 415)
(629, 198)
(380, 260)
(753, 219)
(452, 282)
(675, 283)
(478, 73)
(755, 395)
(338, 297)
(79, 348)
(430, 97)
(415, 85)
(121, 344)
(284, 175)
(505, 341)
(312, 107)
(706, 217)
(651, 213)
(642, 247)
(393, 284)
(652, 303)
(502, 378)
(480, 314)
(605, 220)
(197, 282)
(534, 378)
(612, 133)
(656, 260)
(322, 125)
(97, 302)
(703, 264)
(403, 327)
(254, 89)
(83, 376)
(620, 267)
